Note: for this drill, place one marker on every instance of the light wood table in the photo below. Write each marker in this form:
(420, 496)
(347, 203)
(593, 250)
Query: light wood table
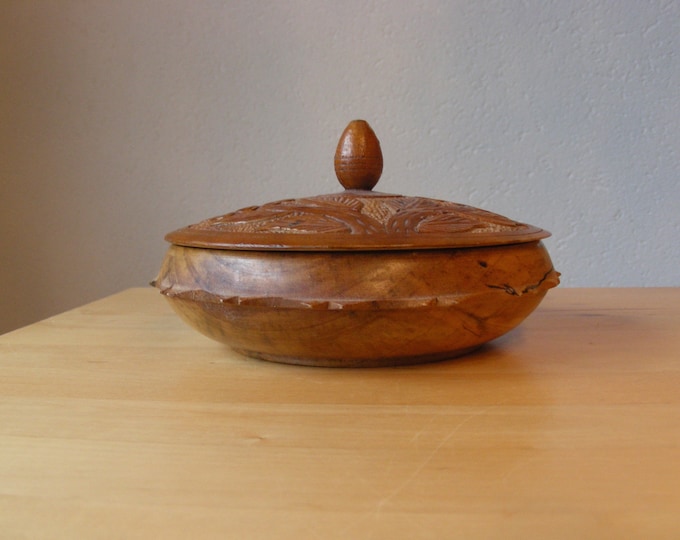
(117, 421)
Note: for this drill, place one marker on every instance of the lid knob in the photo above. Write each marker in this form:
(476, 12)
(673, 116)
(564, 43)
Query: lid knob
(358, 158)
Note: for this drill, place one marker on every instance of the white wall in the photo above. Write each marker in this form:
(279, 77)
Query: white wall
(120, 121)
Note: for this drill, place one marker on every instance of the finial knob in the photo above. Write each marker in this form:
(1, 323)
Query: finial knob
(358, 158)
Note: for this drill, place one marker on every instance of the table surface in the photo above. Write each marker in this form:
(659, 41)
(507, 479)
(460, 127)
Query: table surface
(118, 421)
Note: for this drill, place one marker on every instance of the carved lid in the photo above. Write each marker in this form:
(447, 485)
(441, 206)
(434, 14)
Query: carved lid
(357, 218)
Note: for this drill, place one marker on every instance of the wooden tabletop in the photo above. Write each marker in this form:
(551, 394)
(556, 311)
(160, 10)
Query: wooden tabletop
(117, 421)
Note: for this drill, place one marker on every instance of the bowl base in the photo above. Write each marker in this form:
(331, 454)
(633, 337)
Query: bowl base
(359, 362)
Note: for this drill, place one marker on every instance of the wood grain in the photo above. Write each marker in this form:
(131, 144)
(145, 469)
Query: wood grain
(358, 158)
(118, 421)
(356, 309)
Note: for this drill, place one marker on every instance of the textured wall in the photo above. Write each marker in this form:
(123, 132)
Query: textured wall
(122, 120)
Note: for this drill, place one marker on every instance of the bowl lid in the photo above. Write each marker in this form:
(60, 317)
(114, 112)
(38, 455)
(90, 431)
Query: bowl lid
(357, 218)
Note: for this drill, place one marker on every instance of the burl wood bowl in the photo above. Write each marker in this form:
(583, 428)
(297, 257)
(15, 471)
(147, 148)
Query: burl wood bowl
(356, 278)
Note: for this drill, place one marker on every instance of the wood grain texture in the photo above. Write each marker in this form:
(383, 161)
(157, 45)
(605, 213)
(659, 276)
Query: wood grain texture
(358, 158)
(356, 309)
(118, 421)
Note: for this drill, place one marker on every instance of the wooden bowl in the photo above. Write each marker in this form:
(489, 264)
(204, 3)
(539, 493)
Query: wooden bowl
(356, 278)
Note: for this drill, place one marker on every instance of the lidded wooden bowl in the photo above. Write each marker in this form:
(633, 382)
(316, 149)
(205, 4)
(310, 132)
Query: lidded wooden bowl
(356, 278)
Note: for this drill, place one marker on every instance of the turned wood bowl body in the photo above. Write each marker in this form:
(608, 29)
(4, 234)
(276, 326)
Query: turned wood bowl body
(356, 278)
(356, 308)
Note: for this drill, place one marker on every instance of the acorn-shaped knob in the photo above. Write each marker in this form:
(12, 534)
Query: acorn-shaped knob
(358, 158)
